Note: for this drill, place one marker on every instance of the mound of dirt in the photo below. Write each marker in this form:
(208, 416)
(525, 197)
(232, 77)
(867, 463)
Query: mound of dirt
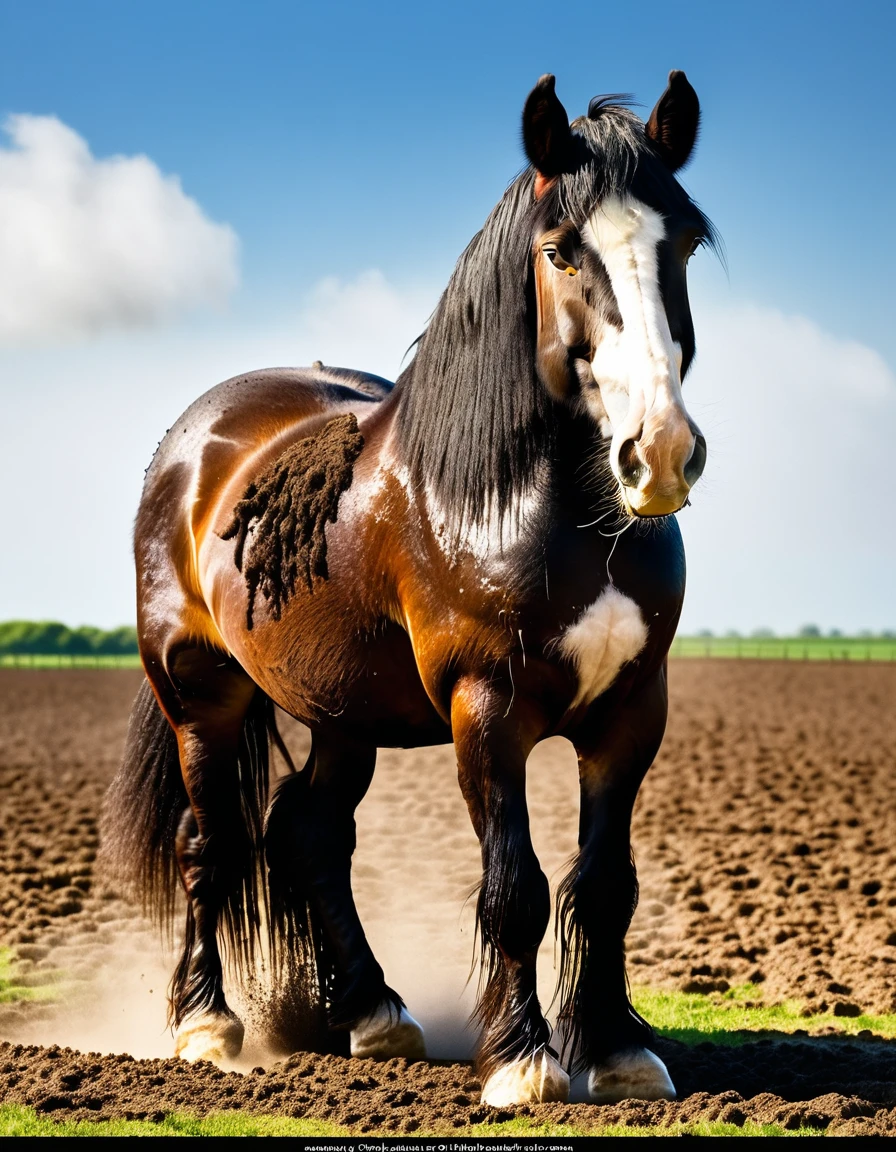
(764, 837)
(395, 1096)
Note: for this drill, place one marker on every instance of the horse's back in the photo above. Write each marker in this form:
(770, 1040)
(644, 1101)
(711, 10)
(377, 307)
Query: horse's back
(224, 437)
(250, 407)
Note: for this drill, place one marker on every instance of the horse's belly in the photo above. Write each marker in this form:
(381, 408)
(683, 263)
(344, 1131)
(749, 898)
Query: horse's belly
(318, 666)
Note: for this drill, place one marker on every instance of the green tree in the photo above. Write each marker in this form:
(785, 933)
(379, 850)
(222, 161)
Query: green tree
(51, 638)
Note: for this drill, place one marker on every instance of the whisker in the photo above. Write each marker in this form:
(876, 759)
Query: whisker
(615, 536)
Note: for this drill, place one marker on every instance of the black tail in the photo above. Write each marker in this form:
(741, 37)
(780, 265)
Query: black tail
(146, 803)
(142, 811)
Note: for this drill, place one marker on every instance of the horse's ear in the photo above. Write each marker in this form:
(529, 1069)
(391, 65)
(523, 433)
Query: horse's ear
(674, 122)
(546, 135)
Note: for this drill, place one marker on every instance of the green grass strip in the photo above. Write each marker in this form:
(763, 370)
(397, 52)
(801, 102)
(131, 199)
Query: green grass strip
(50, 660)
(830, 648)
(14, 987)
(736, 1016)
(16, 1120)
(709, 1128)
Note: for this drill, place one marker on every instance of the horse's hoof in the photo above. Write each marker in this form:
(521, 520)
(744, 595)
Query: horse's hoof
(387, 1032)
(635, 1074)
(537, 1079)
(214, 1037)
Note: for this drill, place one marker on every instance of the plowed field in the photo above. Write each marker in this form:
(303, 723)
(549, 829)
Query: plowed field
(765, 837)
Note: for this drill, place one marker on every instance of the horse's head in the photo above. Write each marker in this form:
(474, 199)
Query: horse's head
(615, 233)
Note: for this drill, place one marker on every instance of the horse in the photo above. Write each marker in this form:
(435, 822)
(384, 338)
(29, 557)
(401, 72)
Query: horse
(484, 553)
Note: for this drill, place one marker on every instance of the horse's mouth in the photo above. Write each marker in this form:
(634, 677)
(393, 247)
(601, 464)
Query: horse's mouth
(648, 513)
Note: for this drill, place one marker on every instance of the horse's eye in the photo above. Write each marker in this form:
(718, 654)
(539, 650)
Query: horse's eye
(557, 260)
(698, 243)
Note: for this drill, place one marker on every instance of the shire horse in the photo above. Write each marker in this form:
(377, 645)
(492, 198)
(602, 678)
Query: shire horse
(483, 553)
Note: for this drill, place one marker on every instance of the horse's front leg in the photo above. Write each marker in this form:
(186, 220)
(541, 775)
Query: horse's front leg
(597, 901)
(514, 1061)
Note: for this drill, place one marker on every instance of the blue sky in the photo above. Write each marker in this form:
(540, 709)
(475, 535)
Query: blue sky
(353, 150)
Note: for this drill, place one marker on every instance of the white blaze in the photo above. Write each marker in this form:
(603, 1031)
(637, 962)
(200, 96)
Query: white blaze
(607, 635)
(637, 369)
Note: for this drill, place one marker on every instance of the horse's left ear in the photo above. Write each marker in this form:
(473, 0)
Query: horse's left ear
(546, 135)
(674, 122)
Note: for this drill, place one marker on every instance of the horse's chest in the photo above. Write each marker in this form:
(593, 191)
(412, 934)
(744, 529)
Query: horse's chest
(606, 635)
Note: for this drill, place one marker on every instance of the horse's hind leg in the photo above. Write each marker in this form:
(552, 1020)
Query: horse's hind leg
(207, 698)
(309, 840)
(597, 901)
(514, 1061)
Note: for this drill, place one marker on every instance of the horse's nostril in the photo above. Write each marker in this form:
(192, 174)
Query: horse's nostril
(630, 467)
(693, 470)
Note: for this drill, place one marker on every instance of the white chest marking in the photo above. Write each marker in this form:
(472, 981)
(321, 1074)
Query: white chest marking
(607, 635)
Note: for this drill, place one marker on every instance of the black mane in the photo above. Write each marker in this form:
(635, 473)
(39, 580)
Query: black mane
(474, 419)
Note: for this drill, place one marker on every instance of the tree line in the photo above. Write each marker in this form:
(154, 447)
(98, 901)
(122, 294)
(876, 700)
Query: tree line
(807, 632)
(50, 638)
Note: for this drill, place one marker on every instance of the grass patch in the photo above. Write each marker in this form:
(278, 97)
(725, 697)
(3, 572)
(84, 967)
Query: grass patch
(60, 660)
(709, 1128)
(830, 648)
(15, 987)
(734, 1016)
(525, 1129)
(826, 648)
(16, 1120)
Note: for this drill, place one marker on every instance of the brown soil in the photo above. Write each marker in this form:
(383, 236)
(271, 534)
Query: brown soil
(764, 836)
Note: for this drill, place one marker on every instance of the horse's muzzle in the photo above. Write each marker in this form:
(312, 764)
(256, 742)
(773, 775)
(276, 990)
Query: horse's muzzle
(657, 477)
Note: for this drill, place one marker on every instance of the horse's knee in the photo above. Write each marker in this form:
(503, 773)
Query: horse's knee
(600, 893)
(304, 837)
(514, 901)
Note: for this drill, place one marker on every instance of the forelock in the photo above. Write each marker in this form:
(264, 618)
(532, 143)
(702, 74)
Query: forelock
(616, 157)
(613, 147)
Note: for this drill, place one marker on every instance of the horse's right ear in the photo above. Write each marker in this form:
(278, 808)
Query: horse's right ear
(674, 122)
(546, 135)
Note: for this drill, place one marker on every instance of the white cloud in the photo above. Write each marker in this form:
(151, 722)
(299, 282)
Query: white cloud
(365, 322)
(794, 518)
(90, 244)
(80, 425)
(792, 523)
